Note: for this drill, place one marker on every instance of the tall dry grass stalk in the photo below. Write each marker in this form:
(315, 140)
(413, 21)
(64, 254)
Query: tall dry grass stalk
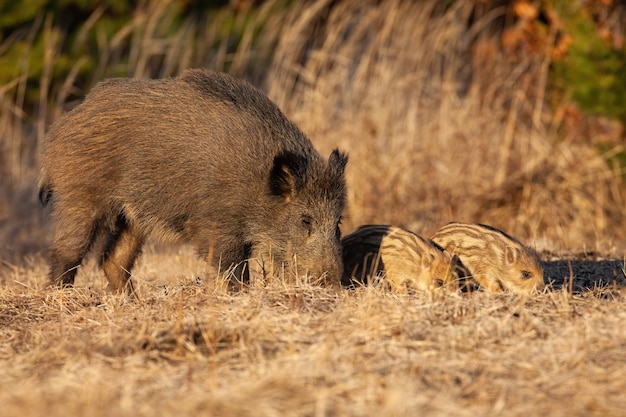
(440, 124)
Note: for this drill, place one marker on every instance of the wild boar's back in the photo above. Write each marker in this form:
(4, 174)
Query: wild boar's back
(208, 139)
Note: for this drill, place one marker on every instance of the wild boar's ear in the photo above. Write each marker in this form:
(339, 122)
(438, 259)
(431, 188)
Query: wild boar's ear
(287, 174)
(337, 162)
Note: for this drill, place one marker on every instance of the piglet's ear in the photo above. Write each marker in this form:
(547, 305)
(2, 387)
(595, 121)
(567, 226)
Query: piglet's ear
(287, 174)
(511, 255)
(427, 260)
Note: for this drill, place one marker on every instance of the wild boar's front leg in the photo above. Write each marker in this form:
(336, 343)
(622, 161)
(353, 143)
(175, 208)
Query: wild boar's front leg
(122, 247)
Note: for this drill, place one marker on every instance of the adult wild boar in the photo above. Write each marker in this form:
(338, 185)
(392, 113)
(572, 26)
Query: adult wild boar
(203, 158)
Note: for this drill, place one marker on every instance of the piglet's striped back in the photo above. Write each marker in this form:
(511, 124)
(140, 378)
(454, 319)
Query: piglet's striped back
(496, 260)
(398, 257)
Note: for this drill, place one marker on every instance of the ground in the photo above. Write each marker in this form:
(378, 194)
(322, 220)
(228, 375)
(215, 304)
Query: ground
(189, 345)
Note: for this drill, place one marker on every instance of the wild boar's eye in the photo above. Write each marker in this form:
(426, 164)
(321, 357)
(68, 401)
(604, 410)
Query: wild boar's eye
(527, 275)
(307, 223)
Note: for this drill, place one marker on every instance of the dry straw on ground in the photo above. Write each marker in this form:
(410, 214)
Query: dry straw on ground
(440, 126)
(189, 347)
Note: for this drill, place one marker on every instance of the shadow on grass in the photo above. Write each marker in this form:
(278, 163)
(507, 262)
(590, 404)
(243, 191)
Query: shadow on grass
(586, 273)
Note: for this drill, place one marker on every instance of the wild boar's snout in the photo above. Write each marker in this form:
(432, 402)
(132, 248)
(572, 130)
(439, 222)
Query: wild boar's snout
(323, 262)
(333, 268)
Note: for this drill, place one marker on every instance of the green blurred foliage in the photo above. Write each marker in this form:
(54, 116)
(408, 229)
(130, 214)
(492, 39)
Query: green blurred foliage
(31, 29)
(593, 73)
(13, 13)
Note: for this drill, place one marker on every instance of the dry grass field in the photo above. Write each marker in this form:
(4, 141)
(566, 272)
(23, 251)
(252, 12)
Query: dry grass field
(190, 347)
(440, 124)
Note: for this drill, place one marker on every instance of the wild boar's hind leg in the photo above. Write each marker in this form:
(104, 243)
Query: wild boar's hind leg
(75, 233)
(122, 247)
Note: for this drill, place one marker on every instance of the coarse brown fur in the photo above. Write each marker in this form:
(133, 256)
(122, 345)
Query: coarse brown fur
(203, 158)
(494, 259)
(400, 258)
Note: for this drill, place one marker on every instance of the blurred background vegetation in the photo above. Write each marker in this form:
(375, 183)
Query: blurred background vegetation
(45, 43)
(506, 112)
(585, 40)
